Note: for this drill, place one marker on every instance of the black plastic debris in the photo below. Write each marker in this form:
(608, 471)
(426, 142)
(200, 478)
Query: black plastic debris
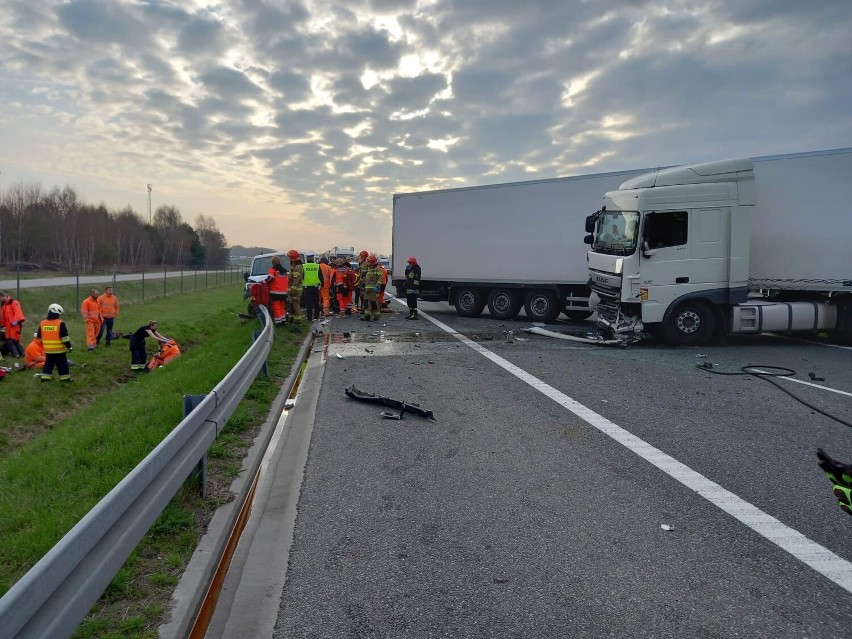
(402, 407)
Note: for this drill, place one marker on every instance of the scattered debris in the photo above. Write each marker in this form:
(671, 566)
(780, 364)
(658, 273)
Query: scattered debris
(289, 404)
(509, 336)
(539, 324)
(369, 350)
(597, 339)
(701, 356)
(706, 365)
(667, 527)
(814, 378)
(339, 356)
(317, 350)
(407, 407)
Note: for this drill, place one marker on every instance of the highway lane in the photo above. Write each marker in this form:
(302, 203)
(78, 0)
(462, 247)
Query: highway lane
(512, 516)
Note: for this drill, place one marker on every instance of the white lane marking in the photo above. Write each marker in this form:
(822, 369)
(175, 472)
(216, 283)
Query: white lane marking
(800, 381)
(807, 341)
(812, 554)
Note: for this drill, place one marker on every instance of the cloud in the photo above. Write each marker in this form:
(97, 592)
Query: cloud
(318, 112)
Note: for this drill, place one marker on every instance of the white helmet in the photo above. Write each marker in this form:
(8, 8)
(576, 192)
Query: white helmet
(55, 308)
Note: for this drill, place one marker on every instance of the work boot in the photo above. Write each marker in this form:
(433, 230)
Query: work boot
(365, 318)
(414, 314)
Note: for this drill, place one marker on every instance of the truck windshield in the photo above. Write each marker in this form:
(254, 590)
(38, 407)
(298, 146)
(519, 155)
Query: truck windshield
(616, 232)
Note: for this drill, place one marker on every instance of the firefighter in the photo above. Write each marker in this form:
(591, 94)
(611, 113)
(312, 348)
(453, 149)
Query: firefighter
(381, 297)
(343, 281)
(325, 289)
(11, 318)
(57, 344)
(278, 291)
(371, 285)
(412, 287)
(108, 305)
(91, 313)
(359, 283)
(296, 282)
(312, 282)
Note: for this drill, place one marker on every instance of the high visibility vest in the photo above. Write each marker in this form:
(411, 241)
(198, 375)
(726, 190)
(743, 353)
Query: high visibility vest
(108, 305)
(90, 309)
(50, 337)
(279, 281)
(311, 271)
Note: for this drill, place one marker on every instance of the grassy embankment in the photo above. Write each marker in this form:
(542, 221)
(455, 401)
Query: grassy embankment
(64, 446)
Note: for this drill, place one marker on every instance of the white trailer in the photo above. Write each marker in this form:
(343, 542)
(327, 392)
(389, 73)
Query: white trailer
(738, 246)
(507, 246)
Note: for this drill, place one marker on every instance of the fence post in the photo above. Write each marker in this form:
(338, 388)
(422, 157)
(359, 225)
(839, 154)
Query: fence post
(143, 283)
(77, 267)
(165, 292)
(181, 280)
(18, 278)
(206, 271)
(190, 402)
(114, 271)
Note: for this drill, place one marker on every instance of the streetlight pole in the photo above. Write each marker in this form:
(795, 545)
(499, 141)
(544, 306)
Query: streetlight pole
(149, 205)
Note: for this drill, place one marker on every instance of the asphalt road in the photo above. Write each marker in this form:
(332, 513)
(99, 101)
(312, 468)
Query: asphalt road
(534, 506)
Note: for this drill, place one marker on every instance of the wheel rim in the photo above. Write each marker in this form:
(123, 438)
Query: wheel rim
(688, 322)
(465, 301)
(540, 306)
(502, 303)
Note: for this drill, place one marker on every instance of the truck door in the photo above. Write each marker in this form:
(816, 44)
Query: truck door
(665, 261)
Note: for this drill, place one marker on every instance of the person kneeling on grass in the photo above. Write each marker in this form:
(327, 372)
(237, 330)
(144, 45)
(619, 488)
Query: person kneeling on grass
(138, 354)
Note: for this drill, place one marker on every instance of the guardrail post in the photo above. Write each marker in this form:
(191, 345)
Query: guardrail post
(254, 335)
(189, 404)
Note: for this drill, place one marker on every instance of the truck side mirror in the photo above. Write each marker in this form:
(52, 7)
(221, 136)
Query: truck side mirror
(647, 251)
(589, 239)
(590, 225)
(245, 276)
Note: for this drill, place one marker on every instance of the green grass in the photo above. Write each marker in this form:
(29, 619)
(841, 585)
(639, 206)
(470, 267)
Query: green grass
(64, 446)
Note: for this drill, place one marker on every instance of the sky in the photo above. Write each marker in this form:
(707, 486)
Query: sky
(293, 123)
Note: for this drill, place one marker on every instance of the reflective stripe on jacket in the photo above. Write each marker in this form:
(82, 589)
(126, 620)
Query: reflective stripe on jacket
(51, 337)
(278, 283)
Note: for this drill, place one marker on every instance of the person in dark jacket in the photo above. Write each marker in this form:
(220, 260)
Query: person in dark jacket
(412, 287)
(138, 354)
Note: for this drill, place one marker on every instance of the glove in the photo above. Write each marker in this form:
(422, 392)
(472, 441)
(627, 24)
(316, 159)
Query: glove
(15, 323)
(840, 475)
(70, 348)
(376, 289)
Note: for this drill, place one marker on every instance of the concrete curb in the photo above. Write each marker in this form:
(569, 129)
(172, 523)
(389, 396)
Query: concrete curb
(194, 583)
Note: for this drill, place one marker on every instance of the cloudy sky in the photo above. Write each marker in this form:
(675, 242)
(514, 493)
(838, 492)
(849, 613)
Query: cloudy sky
(292, 122)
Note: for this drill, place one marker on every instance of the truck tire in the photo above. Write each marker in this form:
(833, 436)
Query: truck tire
(541, 306)
(690, 324)
(503, 304)
(469, 302)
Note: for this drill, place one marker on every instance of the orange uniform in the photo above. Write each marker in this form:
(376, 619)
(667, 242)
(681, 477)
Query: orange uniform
(34, 354)
(91, 313)
(325, 289)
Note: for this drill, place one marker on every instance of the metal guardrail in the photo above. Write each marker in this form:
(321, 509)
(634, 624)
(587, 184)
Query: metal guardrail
(52, 599)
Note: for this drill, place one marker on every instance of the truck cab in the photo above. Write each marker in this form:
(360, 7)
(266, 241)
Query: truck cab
(260, 265)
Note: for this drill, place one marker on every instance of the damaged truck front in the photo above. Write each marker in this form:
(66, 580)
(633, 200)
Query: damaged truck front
(738, 246)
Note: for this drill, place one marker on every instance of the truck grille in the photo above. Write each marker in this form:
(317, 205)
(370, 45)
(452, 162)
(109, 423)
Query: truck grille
(607, 310)
(606, 292)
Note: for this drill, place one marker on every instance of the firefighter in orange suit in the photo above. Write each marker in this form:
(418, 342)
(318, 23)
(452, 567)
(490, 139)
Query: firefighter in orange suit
(34, 356)
(278, 291)
(344, 279)
(381, 297)
(11, 318)
(54, 337)
(91, 313)
(325, 289)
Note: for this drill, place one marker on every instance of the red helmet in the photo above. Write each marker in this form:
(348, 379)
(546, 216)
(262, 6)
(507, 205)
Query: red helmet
(412, 260)
(363, 254)
(293, 255)
(372, 260)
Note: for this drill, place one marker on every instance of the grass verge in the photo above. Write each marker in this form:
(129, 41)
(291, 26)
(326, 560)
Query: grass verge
(64, 446)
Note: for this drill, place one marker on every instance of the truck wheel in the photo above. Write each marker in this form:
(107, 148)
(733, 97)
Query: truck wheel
(503, 304)
(691, 324)
(541, 306)
(469, 302)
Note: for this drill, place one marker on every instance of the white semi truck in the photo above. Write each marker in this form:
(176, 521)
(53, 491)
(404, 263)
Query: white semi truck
(737, 246)
(507, 246)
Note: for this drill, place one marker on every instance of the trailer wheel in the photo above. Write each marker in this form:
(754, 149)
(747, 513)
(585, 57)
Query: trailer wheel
(541, 306)
(503, 304)
(469, 302)
(691, 324)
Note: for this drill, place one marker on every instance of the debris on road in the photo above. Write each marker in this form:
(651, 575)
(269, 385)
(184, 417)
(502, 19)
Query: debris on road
(407, 407)
(537, 330)
(814, 378)
(339, 356)
(667, 527)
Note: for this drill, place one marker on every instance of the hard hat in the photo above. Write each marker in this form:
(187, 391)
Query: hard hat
(55, 308)
(363, 254)
(372, 259)
(293, 254)
(412, 260)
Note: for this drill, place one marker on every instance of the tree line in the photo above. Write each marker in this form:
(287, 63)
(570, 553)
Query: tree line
(56, 230)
